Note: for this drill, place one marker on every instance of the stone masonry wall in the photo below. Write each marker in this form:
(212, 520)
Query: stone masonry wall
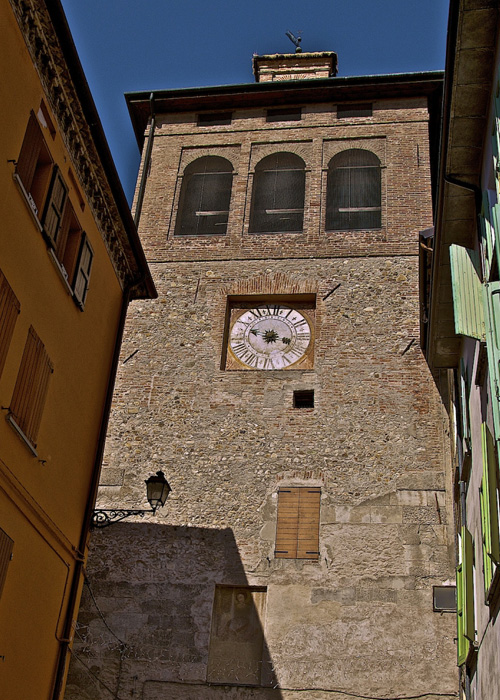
(359, 620)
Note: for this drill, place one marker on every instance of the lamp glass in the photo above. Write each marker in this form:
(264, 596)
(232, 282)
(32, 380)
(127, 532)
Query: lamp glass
(158, 489)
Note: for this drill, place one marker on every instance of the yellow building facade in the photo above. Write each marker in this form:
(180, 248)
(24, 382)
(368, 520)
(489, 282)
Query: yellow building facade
(70, 262)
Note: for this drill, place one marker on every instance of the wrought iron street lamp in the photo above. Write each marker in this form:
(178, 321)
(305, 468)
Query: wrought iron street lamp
(157, 490)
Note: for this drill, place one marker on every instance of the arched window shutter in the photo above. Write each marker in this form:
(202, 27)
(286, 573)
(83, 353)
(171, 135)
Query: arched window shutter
(278, 194)
(205, 197)
(353, 199)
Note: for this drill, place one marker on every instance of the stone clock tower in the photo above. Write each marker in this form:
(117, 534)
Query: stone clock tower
(278, 382)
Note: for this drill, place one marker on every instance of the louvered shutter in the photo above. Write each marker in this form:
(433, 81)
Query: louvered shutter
(354, 195)
(464, 404)
(288, 524)
(496, 134)
(6, 547)
(468, 584)
(82, 272)
(489, 508)
(463, 644)
(467, 292)
(205, 197)
(487, 233)
(495, 221)
(308, 530)
(297, 531)
(491, 295)
(30, 152)
(466, 631)
(31, 387)
(54, 207)
(9, 310)
(278, 194)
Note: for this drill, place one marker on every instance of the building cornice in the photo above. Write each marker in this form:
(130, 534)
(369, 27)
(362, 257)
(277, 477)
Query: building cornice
(49, 42)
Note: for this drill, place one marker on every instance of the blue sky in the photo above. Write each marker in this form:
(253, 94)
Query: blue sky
(128, 45)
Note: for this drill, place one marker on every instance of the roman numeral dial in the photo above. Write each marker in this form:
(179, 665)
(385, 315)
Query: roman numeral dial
(270, 336)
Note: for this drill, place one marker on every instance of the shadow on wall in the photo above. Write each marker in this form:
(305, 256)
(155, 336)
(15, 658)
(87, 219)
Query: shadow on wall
(168, 612)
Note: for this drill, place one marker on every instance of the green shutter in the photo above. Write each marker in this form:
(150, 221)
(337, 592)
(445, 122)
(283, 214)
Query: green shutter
(492, 325)
(467, 292)
(463, 644)
(495, 223)
(464, 401)
(468, 585)
(485, 528)
(466, 631)
(487, 235)
(489, 507)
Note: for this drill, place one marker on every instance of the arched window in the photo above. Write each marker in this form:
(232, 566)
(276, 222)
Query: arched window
(353, 191)
(278, 194)
(205, 196)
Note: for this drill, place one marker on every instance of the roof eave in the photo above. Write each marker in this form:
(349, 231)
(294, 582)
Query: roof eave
(282, 92)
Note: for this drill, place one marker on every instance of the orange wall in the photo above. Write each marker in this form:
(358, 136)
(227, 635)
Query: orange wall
(42, 499)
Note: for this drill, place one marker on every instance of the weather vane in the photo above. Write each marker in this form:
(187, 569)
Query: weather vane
(295, 41)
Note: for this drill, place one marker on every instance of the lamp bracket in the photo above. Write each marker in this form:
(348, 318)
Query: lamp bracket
(105, 517)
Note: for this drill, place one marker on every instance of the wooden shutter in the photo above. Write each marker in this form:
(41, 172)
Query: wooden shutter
(467, 292)
(463, 644)
(54, 207)
(30, 152)
(468, 584)
(489, 508)
(491, 295)
(9, 310)
(466, 631)
(297, 531)
(82, 273)
(6, 546)
(496, 132)
(464, 404)
(31, 387)
(487, 233)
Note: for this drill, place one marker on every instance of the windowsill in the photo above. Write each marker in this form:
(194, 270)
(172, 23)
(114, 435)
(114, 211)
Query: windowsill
(28, 200)
(60, 269)
(345, 230)
(198, 235)
(10, 419)
(275, 233)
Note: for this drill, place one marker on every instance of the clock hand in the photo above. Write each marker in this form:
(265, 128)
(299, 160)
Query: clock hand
(271, 336)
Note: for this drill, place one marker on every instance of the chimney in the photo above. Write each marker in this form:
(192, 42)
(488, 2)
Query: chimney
(294, 66)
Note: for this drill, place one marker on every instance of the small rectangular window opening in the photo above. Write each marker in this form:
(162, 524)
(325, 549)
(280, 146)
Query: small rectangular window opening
(215, 119)
(45, 120)
(303, 399)
(354, 110)
(291, 114)
(444, 599)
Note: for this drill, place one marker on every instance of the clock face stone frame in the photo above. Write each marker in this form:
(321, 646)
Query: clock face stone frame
(270, 335)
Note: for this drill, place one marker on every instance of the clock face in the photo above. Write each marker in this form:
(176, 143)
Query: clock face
(270, 336)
